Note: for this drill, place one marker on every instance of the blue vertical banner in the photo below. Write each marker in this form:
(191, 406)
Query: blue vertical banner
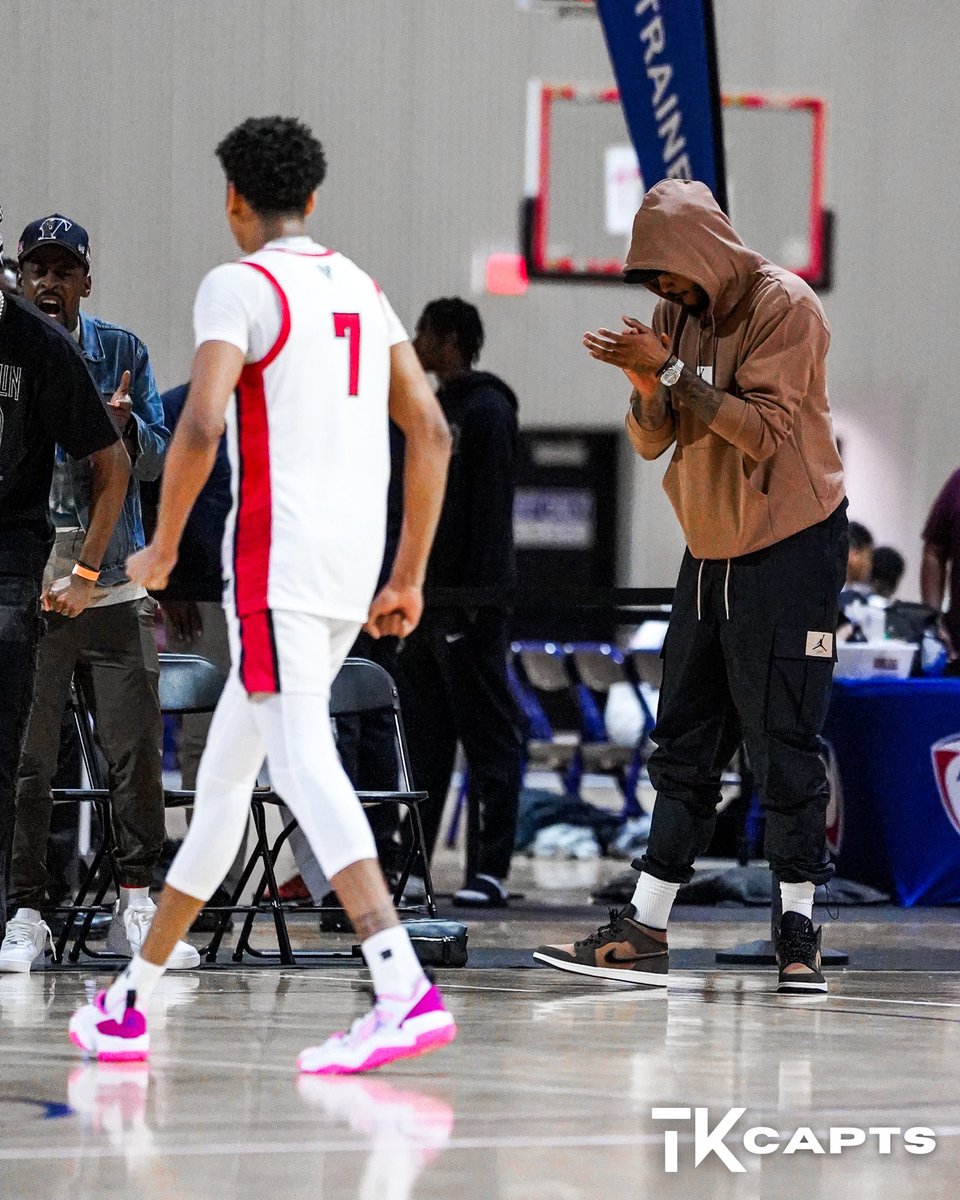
(665, 59)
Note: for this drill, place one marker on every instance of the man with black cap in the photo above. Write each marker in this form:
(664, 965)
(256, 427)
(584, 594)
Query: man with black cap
(110, 647)
(732, 375)
(47, 398)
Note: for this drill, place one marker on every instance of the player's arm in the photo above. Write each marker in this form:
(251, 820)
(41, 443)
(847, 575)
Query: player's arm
(110, 474)
(772, 381)
(650, 420)
(397, 607)
(75, 417)
(216, 369)
(933, 585)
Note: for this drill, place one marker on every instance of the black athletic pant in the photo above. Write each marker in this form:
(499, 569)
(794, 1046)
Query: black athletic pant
(19, 634)
(749, 656)
(453, 685)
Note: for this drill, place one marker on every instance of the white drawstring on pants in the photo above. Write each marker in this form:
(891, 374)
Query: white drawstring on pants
(699, 578)
(726, 590)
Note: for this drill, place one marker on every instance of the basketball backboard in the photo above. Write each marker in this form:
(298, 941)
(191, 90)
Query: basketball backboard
(583, 183)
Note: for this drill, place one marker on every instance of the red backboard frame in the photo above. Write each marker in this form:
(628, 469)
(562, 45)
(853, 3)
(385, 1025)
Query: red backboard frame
(542, 97)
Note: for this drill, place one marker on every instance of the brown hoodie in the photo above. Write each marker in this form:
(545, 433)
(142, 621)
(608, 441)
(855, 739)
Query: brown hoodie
(767, 466)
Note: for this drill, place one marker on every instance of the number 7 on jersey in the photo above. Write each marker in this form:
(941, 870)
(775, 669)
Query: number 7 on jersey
(347, 325)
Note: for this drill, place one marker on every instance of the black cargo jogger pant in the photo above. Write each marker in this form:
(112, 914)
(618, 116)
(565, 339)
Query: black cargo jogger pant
(748, 657)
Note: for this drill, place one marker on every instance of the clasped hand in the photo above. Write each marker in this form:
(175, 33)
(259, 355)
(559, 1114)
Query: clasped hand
(636, 349)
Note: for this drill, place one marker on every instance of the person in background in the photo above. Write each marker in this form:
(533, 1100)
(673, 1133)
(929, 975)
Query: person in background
(453, 667)
(47, 399)
(9, 278)
(110, 644)
(940, 565)
(732, 377)
(859, 562)
(887, 571)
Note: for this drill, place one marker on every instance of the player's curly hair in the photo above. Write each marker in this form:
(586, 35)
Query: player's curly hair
(449, 315)
(275, 163)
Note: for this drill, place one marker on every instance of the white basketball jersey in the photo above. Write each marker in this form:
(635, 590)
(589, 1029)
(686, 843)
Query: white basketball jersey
(308, 428)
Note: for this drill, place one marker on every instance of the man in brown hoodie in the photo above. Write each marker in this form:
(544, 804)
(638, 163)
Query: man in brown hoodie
(732, 376)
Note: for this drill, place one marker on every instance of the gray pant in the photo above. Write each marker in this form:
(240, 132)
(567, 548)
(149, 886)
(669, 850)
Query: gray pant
(113, 652)
(212, 644)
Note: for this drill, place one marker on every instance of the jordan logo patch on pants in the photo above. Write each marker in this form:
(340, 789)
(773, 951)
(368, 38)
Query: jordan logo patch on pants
(819, 645)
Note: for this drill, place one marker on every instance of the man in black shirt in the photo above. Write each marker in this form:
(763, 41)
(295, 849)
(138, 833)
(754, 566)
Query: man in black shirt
(453, 678)
(47, 398)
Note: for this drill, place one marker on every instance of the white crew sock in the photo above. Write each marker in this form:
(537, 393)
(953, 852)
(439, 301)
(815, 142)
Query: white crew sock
(394, 966)
(140, 977)
(653, 900)
(134, 897)
(798, 898)
(28, 914)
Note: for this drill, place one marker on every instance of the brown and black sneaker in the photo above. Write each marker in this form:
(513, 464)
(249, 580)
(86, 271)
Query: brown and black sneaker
(798, 956)
(624, 950)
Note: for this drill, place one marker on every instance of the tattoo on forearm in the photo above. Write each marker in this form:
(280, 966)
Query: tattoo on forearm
(652, 414)
(699, 397)
(369, 923)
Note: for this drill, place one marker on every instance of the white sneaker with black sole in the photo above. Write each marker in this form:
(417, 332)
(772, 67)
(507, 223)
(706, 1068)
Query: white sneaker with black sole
(482, 891)
(129, 929)
(25, 942)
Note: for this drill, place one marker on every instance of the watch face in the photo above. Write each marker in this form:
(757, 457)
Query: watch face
(672, 374)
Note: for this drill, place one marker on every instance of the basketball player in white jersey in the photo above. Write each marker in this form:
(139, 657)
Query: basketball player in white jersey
(301, 356)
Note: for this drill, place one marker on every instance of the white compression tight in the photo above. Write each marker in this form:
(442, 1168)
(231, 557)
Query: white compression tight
(294, 733)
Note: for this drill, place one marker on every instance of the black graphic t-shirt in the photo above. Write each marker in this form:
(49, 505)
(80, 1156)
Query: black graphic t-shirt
(46, 398)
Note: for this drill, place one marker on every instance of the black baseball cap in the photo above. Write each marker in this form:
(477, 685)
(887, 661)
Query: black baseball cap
(56, 230)
(632, 276)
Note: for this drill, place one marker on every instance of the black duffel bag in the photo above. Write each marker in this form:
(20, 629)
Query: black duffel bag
(436, 943)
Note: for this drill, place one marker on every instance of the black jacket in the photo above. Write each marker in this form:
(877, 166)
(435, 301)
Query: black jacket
(474, 542)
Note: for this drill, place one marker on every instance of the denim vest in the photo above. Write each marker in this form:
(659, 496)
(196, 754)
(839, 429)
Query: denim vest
(109, 350)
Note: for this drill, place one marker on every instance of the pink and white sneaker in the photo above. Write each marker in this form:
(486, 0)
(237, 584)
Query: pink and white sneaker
(384, 1035)
(107, 1039)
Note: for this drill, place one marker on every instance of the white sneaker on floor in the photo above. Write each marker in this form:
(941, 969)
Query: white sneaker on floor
(128, 931)
(24, 943)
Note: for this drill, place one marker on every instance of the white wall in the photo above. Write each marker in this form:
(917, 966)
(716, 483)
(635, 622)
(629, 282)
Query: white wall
(109, 111)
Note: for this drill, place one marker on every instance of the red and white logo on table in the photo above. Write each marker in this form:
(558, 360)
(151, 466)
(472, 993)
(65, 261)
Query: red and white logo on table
(946, 767)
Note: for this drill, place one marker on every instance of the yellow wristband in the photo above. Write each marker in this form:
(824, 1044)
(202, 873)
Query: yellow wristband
(86, 573)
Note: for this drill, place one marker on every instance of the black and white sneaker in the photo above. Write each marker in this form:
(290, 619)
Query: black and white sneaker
(482, 891)
(798, 956)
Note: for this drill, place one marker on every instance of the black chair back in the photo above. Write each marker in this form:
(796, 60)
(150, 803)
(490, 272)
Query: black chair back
(362, 686)
(189, 683)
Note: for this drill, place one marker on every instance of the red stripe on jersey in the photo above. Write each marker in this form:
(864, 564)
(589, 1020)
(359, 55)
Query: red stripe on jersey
(259, 669)
(252, 535)
(251, 541)
(284, 333)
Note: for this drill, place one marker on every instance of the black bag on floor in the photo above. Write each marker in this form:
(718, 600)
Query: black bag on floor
(436, 943)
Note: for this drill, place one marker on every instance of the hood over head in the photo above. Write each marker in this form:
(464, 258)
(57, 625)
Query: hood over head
(680, 228)
(473, 380)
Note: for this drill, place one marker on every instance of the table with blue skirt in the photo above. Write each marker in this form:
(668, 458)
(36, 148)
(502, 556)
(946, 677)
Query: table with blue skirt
(893, 748)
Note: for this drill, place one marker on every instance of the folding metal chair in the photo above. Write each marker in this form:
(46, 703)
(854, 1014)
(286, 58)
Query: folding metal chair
(361, 687)
(542, 674)
(101, 872)
(598, 666)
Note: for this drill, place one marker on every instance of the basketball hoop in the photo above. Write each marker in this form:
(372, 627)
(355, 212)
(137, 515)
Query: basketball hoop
(560, 8)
